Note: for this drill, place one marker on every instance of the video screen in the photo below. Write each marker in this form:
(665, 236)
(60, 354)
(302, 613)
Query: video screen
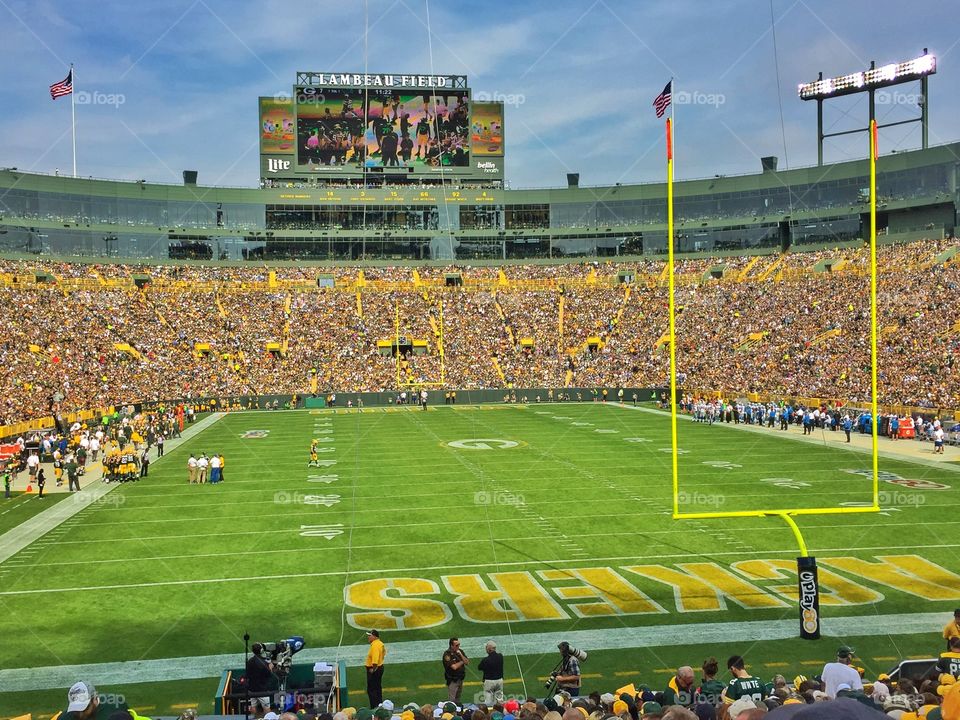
(277, 126)
(486, 129)
(425, 131)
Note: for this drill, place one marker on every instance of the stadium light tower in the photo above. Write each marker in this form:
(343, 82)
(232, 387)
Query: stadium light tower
(869, 81)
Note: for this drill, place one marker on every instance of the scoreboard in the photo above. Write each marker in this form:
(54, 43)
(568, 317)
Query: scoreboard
(347, 125)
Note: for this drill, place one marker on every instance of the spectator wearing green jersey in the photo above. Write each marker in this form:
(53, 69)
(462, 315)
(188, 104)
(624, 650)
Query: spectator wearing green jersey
(710, 688)
(743, 684)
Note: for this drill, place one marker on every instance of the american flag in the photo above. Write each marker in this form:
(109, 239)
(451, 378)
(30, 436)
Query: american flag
(662, 101)
(64, 87)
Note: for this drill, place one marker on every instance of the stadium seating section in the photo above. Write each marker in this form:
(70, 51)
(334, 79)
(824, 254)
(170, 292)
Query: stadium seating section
(796, 325)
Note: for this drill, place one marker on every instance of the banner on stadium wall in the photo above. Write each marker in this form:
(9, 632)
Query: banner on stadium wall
(809, 593)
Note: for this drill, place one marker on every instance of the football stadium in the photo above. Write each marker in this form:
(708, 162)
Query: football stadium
(382, 435)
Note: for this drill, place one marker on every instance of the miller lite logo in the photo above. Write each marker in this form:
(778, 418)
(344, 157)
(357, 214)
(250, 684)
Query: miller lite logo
(276, 165)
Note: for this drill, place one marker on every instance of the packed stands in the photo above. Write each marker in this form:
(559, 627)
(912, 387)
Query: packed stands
(93, 335)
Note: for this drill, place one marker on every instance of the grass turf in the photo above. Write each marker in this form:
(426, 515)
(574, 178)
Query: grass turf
(586, 486)
(22, 506)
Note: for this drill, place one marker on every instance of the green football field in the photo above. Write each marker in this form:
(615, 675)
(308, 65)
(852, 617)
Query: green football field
(525, 524)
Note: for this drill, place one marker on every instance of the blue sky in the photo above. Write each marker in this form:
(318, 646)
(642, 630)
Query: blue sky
(176, 82)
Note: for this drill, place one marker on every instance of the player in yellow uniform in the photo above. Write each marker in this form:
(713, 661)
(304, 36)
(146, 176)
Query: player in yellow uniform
(128, 464)
(111, 464)
(313, 455)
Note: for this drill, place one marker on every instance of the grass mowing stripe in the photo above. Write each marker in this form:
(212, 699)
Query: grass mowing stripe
(493, 566)
(592, 487)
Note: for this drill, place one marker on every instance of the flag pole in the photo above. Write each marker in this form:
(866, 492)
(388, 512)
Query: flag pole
(673, 336)
(673, 118)
(73, 115)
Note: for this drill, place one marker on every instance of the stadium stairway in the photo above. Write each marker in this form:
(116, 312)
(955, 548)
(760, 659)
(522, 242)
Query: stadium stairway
(824, 336)
(745, 273)
(953, 330)
(560, 307)
(220, 308)
(128, 349)
(145, 300)
(285, 344)
(771, 268)
(751, 341)
(506, 322)
(950, 256)
(496, 366)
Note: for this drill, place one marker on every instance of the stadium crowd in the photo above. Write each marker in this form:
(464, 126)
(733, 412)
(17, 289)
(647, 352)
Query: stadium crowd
(796, 325)
(839, 691)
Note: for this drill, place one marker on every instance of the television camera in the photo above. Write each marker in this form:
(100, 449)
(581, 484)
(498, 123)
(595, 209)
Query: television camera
(281, 654)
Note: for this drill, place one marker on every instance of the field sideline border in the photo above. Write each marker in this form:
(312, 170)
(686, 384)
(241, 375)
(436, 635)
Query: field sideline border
(413, 651)
(949, 465)
(28, 532)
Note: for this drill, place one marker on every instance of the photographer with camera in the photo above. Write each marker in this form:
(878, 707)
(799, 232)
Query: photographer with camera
(259, 677)
(455, 664)
(567, 674)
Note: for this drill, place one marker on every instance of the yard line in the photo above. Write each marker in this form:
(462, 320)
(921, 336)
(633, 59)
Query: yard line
(790, 552)
(33, 529)
(458, 504)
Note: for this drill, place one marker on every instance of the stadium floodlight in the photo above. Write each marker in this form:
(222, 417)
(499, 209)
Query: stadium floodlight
(869, 81)
(872, 79)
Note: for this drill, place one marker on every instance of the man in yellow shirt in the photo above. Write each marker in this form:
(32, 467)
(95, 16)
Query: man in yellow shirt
(374, 665)
(952, 628)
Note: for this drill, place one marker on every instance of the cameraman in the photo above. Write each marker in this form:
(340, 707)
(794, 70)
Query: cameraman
(455, 664)
(568, 676)
(259, 674)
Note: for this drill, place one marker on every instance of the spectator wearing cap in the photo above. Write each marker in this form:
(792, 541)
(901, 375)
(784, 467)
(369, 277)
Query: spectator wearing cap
(651, 711)
(84, 703)
(952, 628)
(374, 664)
(841, 672)
(742, 708)
(680, 690)
(492, 668)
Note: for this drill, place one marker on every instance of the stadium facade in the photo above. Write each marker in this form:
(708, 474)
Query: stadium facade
(298, 219)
